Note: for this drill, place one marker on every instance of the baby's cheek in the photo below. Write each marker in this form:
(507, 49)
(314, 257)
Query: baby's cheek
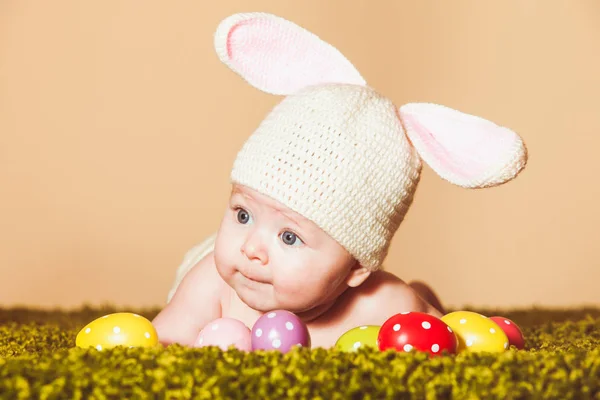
(223, 259)
(298, 285)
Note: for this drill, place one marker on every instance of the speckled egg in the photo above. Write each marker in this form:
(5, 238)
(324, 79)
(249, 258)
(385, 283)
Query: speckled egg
(417, 331)
(358, 337)
(225, 332)
(476, 332)
(279, 330)
(118, 329)
(513, 332)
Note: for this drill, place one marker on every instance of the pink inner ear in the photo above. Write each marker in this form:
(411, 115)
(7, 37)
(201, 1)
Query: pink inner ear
(279, 57)
(464, 149)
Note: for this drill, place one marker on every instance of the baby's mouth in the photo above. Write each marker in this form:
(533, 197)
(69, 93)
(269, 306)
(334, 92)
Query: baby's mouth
(252, 278)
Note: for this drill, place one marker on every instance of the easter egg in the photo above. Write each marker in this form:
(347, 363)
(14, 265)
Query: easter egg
(512, 331)
(355, 338)
(117, 329)
(223, 333)
(476, 332)
(279, 330)
(418, 331)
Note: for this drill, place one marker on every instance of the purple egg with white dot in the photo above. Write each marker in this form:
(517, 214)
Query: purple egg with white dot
(279, 330)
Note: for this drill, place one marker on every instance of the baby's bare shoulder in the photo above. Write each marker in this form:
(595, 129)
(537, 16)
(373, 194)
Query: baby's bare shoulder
(205, 273)
(195, 303)
(383, 295)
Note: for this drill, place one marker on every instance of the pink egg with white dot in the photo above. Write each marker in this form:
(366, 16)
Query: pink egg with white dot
(279, 330)
(223, 333)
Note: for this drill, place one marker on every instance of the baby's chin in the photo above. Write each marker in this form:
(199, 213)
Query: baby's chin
(256, 301)
(266, 302)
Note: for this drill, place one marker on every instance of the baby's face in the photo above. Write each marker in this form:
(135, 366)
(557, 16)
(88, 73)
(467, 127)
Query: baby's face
(276, 259)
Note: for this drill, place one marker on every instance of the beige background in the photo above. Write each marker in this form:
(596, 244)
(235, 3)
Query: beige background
(118, 126)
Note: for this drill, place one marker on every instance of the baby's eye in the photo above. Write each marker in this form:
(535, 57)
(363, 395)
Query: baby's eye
(290, 238)
(243, 216)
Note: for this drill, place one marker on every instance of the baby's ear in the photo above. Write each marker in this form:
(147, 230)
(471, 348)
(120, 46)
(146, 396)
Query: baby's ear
(357, 275)
(466, 150)
(278, 56)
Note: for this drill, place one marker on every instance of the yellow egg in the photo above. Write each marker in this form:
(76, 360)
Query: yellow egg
(476, 332)
(118, 329)
(360, 336)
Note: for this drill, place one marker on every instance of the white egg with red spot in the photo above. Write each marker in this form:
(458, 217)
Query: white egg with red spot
(117, 329)
(416, 331)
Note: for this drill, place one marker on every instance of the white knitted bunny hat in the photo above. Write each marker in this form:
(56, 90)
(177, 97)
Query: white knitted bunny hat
(339, 153)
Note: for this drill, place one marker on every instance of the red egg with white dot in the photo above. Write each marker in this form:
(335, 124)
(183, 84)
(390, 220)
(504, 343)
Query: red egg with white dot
(512, 331)
(417, 331)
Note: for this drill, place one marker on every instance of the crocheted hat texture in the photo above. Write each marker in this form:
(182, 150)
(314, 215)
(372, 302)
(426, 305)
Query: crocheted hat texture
(337, 155)
(338, 152)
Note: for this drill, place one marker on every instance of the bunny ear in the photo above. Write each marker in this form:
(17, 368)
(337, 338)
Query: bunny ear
(278, 56)
(466, 150)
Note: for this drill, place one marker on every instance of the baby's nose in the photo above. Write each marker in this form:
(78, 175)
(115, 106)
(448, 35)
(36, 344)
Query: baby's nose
(255, 251)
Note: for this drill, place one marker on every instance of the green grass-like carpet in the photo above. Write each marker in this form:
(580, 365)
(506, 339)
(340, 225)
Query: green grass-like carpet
(38, 359)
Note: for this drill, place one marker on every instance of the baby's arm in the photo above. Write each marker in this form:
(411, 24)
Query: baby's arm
(195, 303)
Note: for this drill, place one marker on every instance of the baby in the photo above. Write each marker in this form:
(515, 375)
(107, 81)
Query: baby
(320, 188)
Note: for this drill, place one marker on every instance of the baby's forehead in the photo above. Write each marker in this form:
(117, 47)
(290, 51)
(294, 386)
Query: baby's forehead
(266, 201)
